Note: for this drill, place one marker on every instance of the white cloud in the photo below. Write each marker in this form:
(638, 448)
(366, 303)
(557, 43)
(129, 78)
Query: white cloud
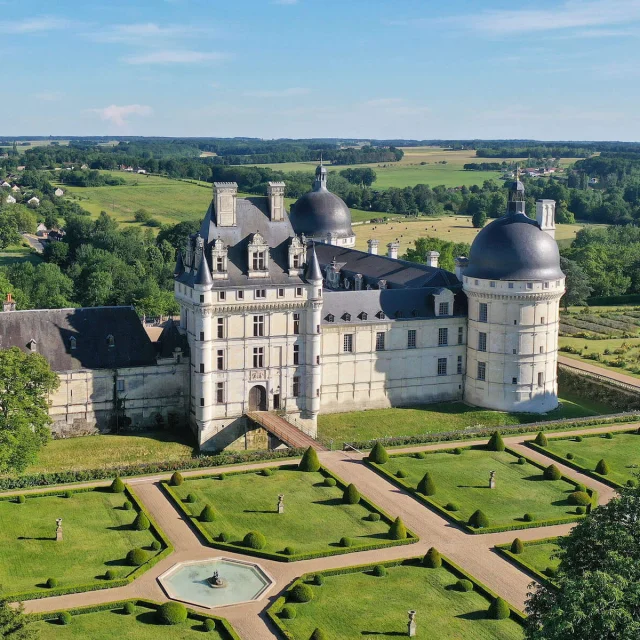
(48, 96)
(278, 93)
(146, 32)
(169, 56)
(118, 114)
(36, 25)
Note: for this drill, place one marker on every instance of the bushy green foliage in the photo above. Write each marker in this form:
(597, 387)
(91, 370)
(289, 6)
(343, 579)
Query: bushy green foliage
(522, 460)
(421, 455)
(171, 613)
(373, 517)
(209, 624)
(351, 495)
(452, 506)
(129, 608)
(578, 438)
(541, 439)
(346, 542)
(52, 583)
(499, 609)
(141, 522)
(551, 572)
(427, 485)
(20, 499)
(136, 557)
(207, 514)
(602, 467)
(224, 537)
(581, 487)
(310, 461)
(517, 546)
(191, 498)
(528, 517)
(117, 486)
(632, 482)
(67, 494)
(64, 618)
(569, 456)
(301, 593)
(176, 479)
(318, 634)
(464, 585)
(254, 540)
(580, 498)
(318, 580)
(401, 474)
(329, 482)
(267, 472)
(458, 451)
(552, 473)
(608, 435)
(378, 454)
(289, 551)
(397, 530)
(581, 510)
(496, 443)
(432, 559)
(110, 574)
(288, 612)
(156, 545)
(479, 520)
(127, 505)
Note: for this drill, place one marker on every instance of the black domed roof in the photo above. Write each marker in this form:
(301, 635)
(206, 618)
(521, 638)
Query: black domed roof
(514, 248)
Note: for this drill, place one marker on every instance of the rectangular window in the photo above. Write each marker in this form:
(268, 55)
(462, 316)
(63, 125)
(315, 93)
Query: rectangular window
(220, 392)
(201, 336)
(240, 295)
(482, 341)
(442, 366)
(258, 357)
(202, 402)
(546, 285)
(460, 335)
(280, 293)
(492, 284)
(296, 354)
(347, 343)
(380, 341)
(459, 367)
(542, 320)
(298, 292)
(220, 360)
(201, 297)
(261, 293)
(202, 367)
(483, 312)
(259, 261)
(258, 326)
(219, 264)
(296, 261)
(222, 295)
(296, 323)
(443, 309)
(411, 339)
(220, 327)
(514, 380)
(511, 285)
(541, 379)
(482, 370)
(296, 387)
(120, 386)
(529, 285)
(443, 336)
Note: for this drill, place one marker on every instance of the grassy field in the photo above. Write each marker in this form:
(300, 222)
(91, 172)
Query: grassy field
(539, 555)
(314, 519)
(430, 418)
(106, 625)
(97, 537)
(622, 453)
(103, 451)
(360, 605)
(18, 253)
(464, 480)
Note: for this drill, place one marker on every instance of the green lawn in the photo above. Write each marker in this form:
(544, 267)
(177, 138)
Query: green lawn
(431, 418)
(106, 625)
(106, 451)
(622, 453)
(18, 253)
(539, 555)
(464, 480)
(97, 537)
(360, 605)
(314, 519)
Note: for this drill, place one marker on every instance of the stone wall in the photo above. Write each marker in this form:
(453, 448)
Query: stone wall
(597, 390)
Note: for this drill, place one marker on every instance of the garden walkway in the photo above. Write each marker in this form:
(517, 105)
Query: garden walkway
(474, 553)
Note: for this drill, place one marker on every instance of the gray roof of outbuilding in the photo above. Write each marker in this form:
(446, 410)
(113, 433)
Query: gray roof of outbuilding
(171, 339)
(52, 330)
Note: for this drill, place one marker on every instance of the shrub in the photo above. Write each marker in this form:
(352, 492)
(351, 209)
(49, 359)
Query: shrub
(602, 467)
(254, 540)
(156, 546)
(458, 451)
(397, 530)
(210, 624)
(288, 612)
(318, 634)
(301, 593)
(581, 487)
(207, 514)
(496, 443)
(129, 608)
(552, 473)
(608, 435)
(569, 456)
(221, 476)
(464, 585)
(499, 609)
(452, 506)
(478, 520)
(67, 494)
(541, 440)
(318, 580)
(141, 523)
(379, 571)
(117, 486)
(330, 482)
(578, 438)
(432, 559)
(127, 506)
(191, 498)
(110, 574)
(580, 498)
(136, 557)
(517, 546)
(581, 511)
(64, 617)
(421, 455)
(528, 517)
(632, 483)
(223, 537)
(522, 460)
(20, 499)
(378, 454)
(289, 551)
(176, 479)
(310, 461)
(351, 495)
(401, 474)
(551, 572)
(266, 473)
(373, 517)
(427, 485)
(171, 613)
(346, 542)
(52, 583)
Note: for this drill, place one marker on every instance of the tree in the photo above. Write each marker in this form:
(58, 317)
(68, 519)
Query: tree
(25, 383)
(479, 218)
(177, 235)
(576, 283)
(8, 229)
(310, 461)
(14, 625)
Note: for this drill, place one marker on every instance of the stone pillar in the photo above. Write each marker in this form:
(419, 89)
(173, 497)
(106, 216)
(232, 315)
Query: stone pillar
(492, 479)
(281, 503)
(411, 625)
(58, 529)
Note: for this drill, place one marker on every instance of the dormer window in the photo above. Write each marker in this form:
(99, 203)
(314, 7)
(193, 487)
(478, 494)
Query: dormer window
(259, 260)
(347, 317)
(72, 343)
(219, 260)
(363, 315)
(258, 257)
(380, 315)
(330, 318)
(219, 264)
(32, 345)
(111, 341)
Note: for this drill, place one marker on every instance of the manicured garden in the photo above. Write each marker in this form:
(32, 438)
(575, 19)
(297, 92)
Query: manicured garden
(321, 516)
(373, 602)
(99, 534)
(535, 556)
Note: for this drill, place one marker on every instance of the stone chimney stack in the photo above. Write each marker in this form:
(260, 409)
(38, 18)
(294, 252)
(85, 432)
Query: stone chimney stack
(432, 258)
(462, 263)
(224, 202)
(373, 246)
(392, 250)
(9, 304)
(546, 216)
(275, 192)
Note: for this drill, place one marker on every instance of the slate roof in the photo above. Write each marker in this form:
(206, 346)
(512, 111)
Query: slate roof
(171, 339)
(52, 330)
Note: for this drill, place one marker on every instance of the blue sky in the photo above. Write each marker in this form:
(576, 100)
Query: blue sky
(322, 68)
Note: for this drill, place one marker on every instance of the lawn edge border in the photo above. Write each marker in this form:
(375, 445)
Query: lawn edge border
(505, 551)
(411, 538)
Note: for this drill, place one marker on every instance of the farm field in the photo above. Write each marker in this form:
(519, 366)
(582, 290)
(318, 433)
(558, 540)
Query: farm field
(430, 418)
(361, 605)
(18, 253)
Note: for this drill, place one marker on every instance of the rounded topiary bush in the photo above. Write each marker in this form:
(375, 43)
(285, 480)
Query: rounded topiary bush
(522, 460)
(52, 583)
(310, 461)
(378, 454)
(528, 517)
(176, 479)
(110, 574)
(517, 546)
(397, 530)
(223, 537)
(401, 474)
(67, 494)
(288, 612)
(458, 451)
(318, 634)
(427, 485)
(127, 506)
(464, 585)
(209, 624)
(432, 559)
(608, 435)
(136, 557)
(579, 499)
(631, 482)
(602, 467)
(117, 486)
(496, 443)
(578, 438)
(207, 514)
(421, 455)
(541, 440)
(254, 540)
(581, 510)
(569, 456)
(379, 571)
(221, 476)
(20, 499)
(346, 542)
(551, 572)
(129, 608)
(267, 473)
(64, 617)
(479, 520)
(156, 546)
(191, 498)
(171, 613)
(452, 506)
(499, 609)
(301, 593)
(373, 517)
(552, 473)
(351, 495)
(330, 482)
(141, 523)
(581, 487)
(318, 580)
(289, 551)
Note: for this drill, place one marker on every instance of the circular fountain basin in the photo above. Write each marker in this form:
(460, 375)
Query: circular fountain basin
(188, 582)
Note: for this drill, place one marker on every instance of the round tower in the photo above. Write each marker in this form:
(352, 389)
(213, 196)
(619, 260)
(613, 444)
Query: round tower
(313, 337)
(513, 284)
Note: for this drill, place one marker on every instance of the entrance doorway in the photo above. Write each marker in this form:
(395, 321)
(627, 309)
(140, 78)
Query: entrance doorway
(258, 398)
(276, 401)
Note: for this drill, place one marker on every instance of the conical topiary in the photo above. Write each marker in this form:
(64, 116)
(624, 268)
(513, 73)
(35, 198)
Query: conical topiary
(397, 530)
(117, 486)
(541, 439)
(479, 520)
(207, 514)
(552, 473)
(427, 485)
(517, 546)
(318, 634)
(432, 559)
(351, 495)
(602, 467)
(496, 443)
(176, 479)
(378, 454)
(499, 609)
(141, 523)
(310, 461)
